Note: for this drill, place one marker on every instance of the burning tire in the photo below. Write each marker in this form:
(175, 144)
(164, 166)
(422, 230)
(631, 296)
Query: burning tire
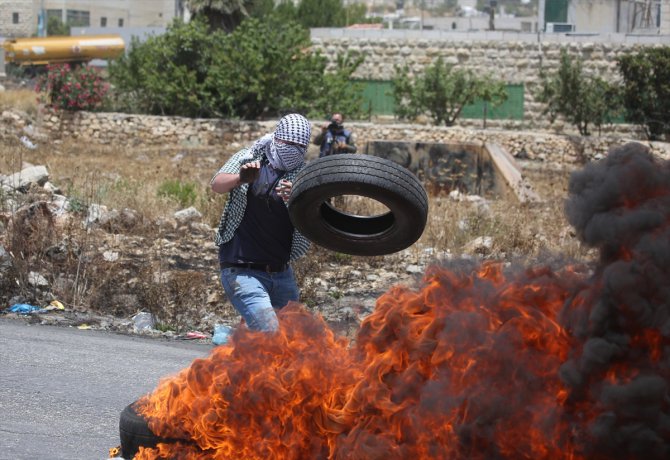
(135, 433)
(368, 176)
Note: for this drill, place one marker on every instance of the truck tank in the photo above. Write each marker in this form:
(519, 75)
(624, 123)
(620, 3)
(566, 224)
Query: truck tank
(50, 50)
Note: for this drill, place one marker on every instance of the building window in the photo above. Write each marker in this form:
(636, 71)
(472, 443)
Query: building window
(15, 18)
(103, 22)
(120, 22)
(78, 18)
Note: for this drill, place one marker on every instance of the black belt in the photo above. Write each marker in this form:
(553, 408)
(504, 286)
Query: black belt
(268, 268)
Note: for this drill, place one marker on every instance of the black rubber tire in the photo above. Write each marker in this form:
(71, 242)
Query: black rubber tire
(363, 175)
(134, 433)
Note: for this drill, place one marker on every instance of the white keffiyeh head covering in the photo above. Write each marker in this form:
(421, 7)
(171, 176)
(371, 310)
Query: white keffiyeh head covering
(293, 128)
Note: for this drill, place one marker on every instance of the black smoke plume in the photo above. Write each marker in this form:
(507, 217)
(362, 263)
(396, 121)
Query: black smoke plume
(620, 364)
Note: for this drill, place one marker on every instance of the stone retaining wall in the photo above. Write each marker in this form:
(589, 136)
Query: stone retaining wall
(514, 61)
(146, 130)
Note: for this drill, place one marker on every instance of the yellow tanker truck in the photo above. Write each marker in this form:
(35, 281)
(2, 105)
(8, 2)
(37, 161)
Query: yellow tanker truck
(38, 51)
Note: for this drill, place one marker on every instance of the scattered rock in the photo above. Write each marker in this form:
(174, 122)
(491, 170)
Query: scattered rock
(110, 256)
(23, 179)
(414, 269)
(188, 215)
(5, 260)
(35, 279)
(481, 245)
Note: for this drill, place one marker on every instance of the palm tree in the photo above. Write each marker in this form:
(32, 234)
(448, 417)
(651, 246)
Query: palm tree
(223, 14)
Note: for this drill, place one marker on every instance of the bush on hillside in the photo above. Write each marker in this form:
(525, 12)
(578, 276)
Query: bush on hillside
(263, 68)
(66, 87)
(581, 99)
(167, 74)
(442, 91)
(646, 90)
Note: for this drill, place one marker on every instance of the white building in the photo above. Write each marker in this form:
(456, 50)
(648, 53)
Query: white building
(607, 16)
(20, 18)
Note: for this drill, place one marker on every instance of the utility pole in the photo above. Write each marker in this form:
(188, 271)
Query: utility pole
(42, 21)
(492, 14)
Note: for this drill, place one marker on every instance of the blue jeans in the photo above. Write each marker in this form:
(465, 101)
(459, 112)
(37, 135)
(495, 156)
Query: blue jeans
(256, 294)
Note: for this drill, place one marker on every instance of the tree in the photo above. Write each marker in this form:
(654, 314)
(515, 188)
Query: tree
(314, 13)
(442, 92)
(339, 93)
(56, 27)
(493, 93)
(265, 66)
(259, 70)
(223, 14)
(167, 74)
(515, 7)
(321, 13)
(582, 100)
(646, 90)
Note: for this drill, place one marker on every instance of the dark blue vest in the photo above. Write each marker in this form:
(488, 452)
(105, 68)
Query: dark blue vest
(329, 140)
(266, 232)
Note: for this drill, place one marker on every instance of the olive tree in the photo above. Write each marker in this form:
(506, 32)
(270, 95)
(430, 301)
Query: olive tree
(442, 91)
(646, 90)
(581, 99)
(220, 14)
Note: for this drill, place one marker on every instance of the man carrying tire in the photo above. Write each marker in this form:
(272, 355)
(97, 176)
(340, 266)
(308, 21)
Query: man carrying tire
(256, 238)
(334, 138)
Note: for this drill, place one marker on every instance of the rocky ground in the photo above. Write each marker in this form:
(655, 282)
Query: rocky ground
(344, 292)
(83, 265)
(88, 266)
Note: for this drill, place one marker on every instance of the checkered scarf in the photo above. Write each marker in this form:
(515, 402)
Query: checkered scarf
(285, 157)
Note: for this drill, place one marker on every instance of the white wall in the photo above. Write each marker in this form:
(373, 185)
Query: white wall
(153, 13)
(27, 19)
(593, 16)
(665, 17)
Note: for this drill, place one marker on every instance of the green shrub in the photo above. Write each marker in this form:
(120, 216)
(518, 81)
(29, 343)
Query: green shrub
(166, 75)
(442, 91)
(77, 205)
(183, 193)
(646, 90)
(67, 87)
(581, 99)
(262, 69)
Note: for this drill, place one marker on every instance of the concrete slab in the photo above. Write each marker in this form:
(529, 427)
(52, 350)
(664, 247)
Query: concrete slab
(476, 169)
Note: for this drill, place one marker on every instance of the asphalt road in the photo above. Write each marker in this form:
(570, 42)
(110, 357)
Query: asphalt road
(62, 389)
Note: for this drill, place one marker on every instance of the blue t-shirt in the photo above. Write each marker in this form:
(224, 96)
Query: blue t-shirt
(266, 232)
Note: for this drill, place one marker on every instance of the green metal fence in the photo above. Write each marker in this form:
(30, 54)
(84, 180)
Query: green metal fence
(378, 100)
(511, 109)
(556, 11)
(378, 97)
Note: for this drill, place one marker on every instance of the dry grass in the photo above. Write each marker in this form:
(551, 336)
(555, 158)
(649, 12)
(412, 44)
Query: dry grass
(517, 230)
(127, 177)
(24, 100)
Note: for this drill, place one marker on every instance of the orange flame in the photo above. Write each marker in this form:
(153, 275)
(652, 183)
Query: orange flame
(464, 368)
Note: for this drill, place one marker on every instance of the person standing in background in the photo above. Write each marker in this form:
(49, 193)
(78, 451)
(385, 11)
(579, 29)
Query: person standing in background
(334, 138)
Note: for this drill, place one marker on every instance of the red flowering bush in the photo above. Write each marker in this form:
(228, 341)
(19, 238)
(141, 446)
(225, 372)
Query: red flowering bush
(66, 87)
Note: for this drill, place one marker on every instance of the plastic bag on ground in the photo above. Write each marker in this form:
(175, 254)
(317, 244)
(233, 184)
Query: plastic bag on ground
(222, 334)
(22, 308)
(144, 321)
